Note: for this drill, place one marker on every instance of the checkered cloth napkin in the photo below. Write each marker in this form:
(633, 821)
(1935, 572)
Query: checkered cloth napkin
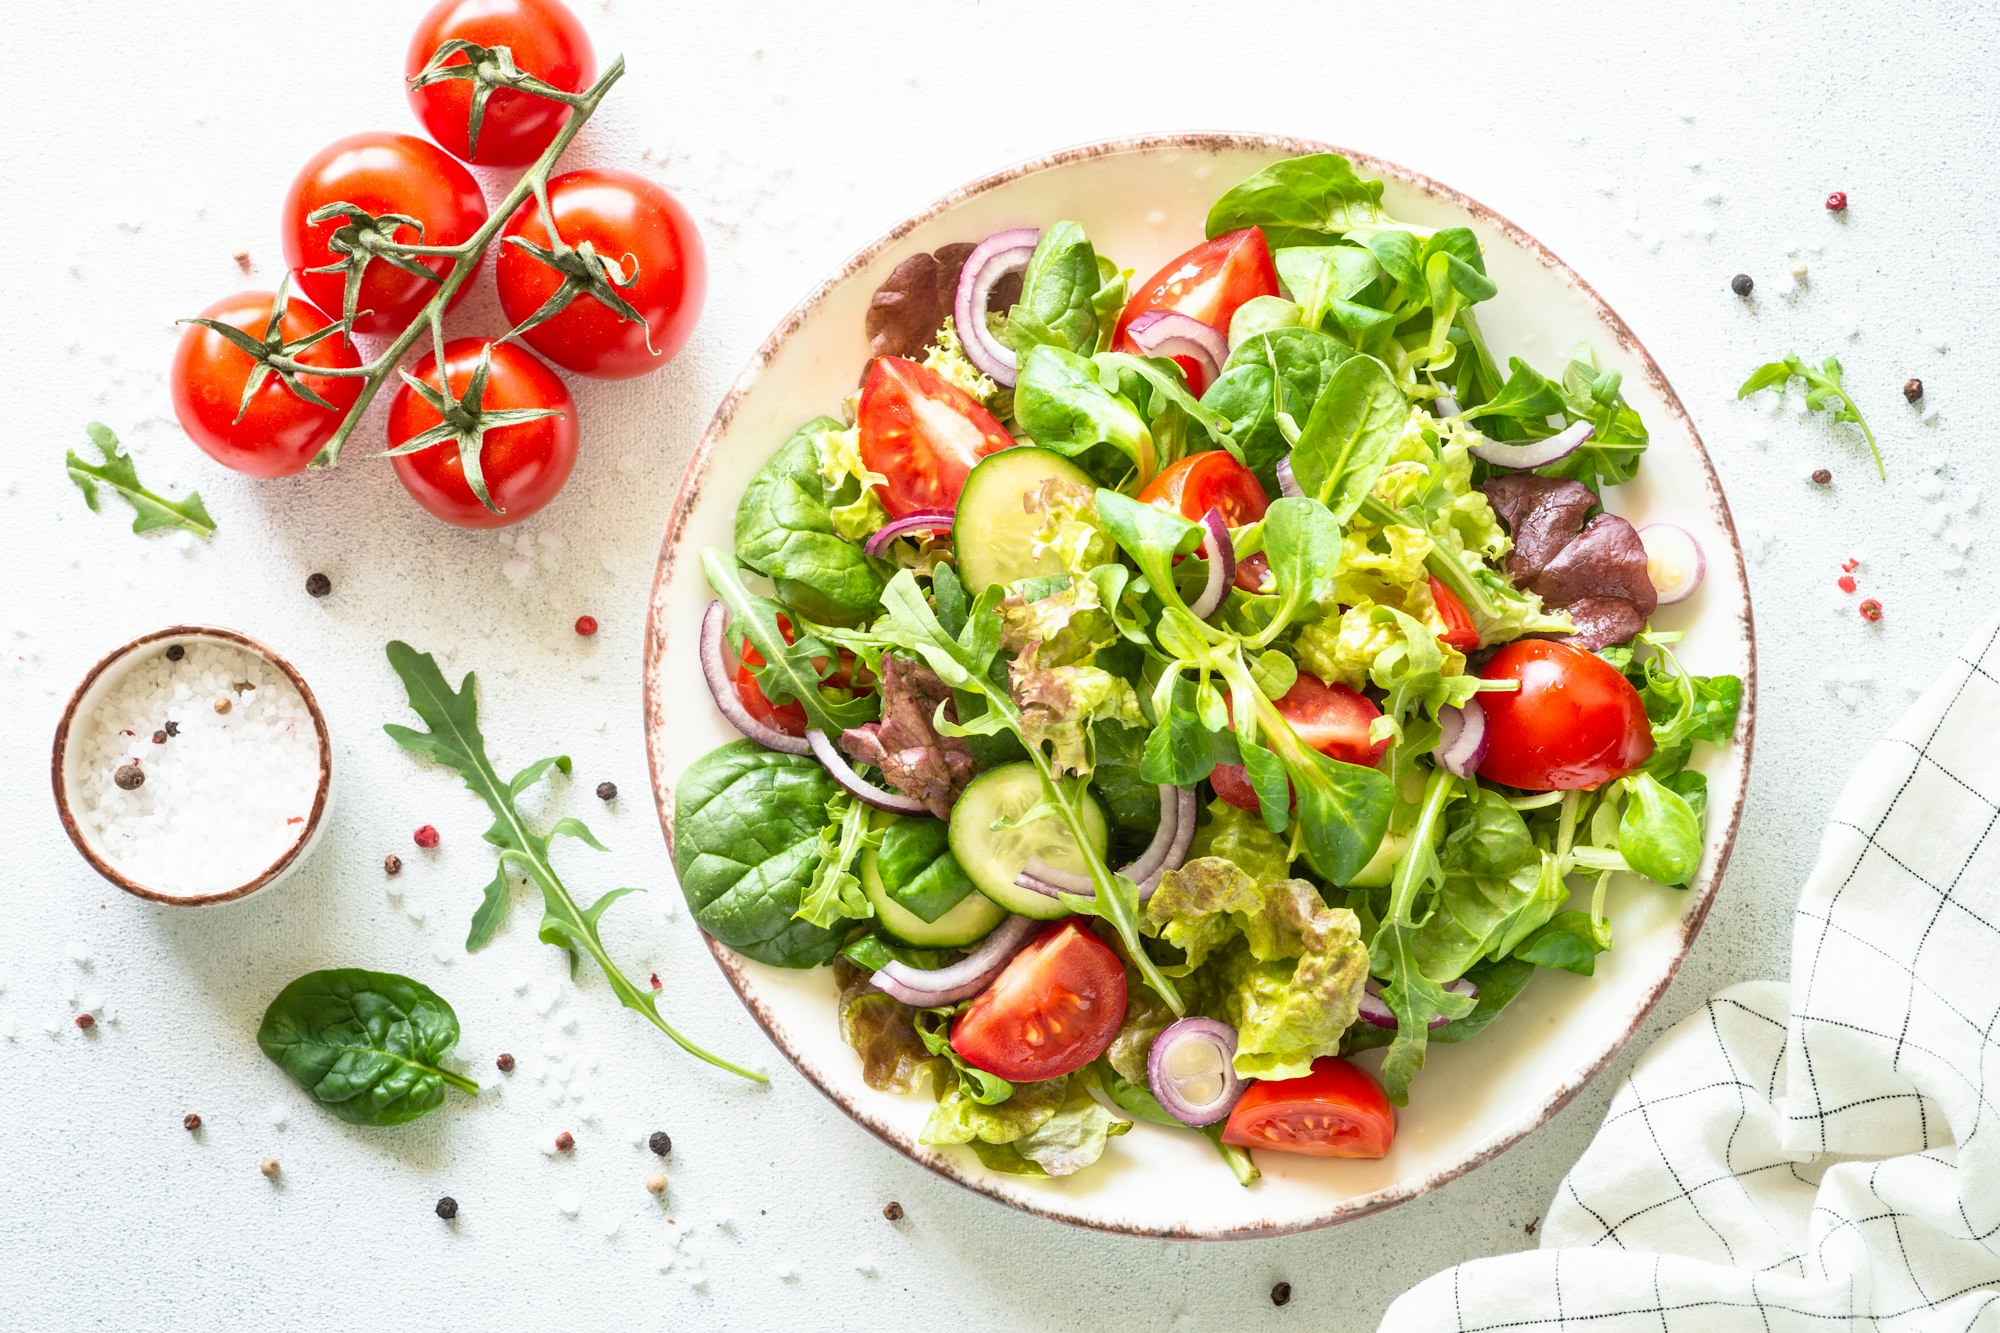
(1823, 1155)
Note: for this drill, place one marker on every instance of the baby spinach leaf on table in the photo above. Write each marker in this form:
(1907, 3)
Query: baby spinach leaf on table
(368, 1046)
(784, 530)
(1317, 192)
(917, 868)
(788, 674)
(453, 739)
(1058, 294)
(1346, 442)
(119, 474)
(1825, 392)
(747, 826)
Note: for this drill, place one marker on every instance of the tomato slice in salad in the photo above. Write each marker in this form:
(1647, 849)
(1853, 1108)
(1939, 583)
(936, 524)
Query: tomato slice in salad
(922, 433)
(1337, 1110)
(1050, 1012)
(1331, 718)
(1459, 631)
(789, 718)
(1208, 480)
(1207, 283)
(1575, 722)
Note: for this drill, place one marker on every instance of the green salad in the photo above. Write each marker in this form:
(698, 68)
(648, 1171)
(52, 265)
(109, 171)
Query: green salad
(1189, 701)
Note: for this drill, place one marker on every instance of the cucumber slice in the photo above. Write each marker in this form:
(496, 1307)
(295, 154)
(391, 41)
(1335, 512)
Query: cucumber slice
(1381, 867)
(993, 533)
(966, 921)
(992, 857)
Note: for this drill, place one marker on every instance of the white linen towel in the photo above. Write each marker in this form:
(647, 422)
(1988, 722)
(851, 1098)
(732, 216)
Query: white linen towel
(1823, 1155)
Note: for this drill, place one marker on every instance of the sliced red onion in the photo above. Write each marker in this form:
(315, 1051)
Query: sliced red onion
(925, 519)
(1463, 746)
(929, 987)
(992, 259)
(1445, 405)
(860, 788)
(1674, 561)
(1535, 453)
(1374, 1011)
(1167, 333)
(1179, 815)
(1287, 483)
(1221, 555)
(1192, 1070)
(715, 670)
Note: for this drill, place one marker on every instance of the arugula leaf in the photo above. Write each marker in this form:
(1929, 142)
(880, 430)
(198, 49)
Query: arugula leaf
(454, 740)
(835, 892)
(1824, 393)
(1414, 998)
(121, 475)
(1347, 440)
(368, 1046)
(788, 674)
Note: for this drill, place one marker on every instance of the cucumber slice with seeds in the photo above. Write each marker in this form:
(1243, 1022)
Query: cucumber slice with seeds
(993, 536)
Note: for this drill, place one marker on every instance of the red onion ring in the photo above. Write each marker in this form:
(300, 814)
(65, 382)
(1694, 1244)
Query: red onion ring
(715, 670)
(1462, 748)
(1444, 405)
(1179, 816)
(1374, 1012)
(932, 519)
(1675, 547)
(992, 259)
(1168, 333)
(860, 788)
(1221, 555)
(1208, 1032)
(1535, 453)
(927, 988)
(1287, 483)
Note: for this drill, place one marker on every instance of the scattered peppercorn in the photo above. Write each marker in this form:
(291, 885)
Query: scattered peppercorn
(190, 1122)
(893, 1211)
(1281, 1294)
(242, 258)
(222, 705)
(1837, 202)
(660, 1143)
(392, 864)
(173, 727)
(586, 625)
(270, 1168)
(1871, 610)
(1822, 477)
(318, 585)
(176, 652)
(426, 837)
(607, 791)
(1741, 284)
(159, 738)
(1913, 389)
(1845, 582)
(447, 1208)
(656, 1184)
(655, 979)
(565, 1141)
(86, 1021)
(129, 777)
(504, 1063)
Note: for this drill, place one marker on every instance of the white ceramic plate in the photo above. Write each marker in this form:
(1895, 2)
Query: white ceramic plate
(1142, 201)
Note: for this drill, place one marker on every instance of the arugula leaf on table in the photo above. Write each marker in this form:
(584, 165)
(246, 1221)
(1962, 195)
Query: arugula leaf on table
(453, 739)
(368, 1046)
(1824, 393)
(121, 475)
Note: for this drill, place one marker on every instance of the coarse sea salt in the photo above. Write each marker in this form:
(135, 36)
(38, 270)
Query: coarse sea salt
(224, 797)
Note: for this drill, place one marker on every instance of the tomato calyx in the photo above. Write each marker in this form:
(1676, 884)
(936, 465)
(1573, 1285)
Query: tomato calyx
(465, 421)
(488, 69)
(361, 240)
(584, 273)
(273, 355)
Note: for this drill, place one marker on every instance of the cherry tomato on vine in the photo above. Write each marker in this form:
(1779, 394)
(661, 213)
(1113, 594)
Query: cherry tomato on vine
(1335, 1111)
(1331, 718)
(545, 39)
(1051, 1011)
(1207, 283)
(1576, 722)
(379, 173)
(627, 220)
(280, 432)
(922, 433)
(524, 465)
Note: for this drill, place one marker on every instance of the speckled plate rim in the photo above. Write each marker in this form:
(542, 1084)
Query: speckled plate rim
(322, 791)
(1702, 894)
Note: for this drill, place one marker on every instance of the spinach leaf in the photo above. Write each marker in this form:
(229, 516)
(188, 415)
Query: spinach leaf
(1132, 802)
(785, 532)
(1319, 275)
(1570, 941)
(1317, 192)
(1058, 292)
(1268, 387)
(917, 868)
(747, 827)
(1486, 916)
(1061, 405)
(871, 953)
(368, 1046)
(1347, 440)
(1658, 833)
(120, 475)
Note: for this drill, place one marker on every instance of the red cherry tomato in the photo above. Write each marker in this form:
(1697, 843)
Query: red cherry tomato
(630, 221)
(1207, 283)
(379, 173)
(1208, 480)
(1459, 631)
(789, 718)
(1331, 718)
(1335, 1111)
(1051, 1011)
(922, 433)
(280, 432)
(545, 40)
(524, 465)
(1576, 722)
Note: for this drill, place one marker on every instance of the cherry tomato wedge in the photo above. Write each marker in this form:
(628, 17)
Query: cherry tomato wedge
(524, 465)
(789, 718)
(1207, 283)
(281, 431)
(545, 39)
(379, 173)
(1459, 631)
(1576, 722)
(1335, 1111)
(1051, 1011)
(1331, 718)
(922, 433)
(1208, 480)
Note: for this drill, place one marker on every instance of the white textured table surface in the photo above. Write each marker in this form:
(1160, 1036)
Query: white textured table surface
(1657, 156)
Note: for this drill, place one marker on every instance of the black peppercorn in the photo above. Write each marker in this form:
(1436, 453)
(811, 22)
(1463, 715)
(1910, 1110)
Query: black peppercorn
(447, 1208)
(565, 1141)
(660, 1143)
(1913, 389)
(607, 791)
(1281, 1294)
(129, 776)
(176, 653)
(893, 1211)
(173, 728)
(1822, 477)
(1741, 284)
(505, 1063)
(318, 585)
(190, 1122)
(392, 864)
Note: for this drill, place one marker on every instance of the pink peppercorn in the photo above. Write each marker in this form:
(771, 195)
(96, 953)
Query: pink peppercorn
(1871, 610)
(1837, 202)
(426, 837)
(565, 1141)
(586, 625)
(1846, 583)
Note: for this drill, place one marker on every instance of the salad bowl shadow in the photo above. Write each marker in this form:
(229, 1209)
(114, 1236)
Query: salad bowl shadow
(1472, 1101)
